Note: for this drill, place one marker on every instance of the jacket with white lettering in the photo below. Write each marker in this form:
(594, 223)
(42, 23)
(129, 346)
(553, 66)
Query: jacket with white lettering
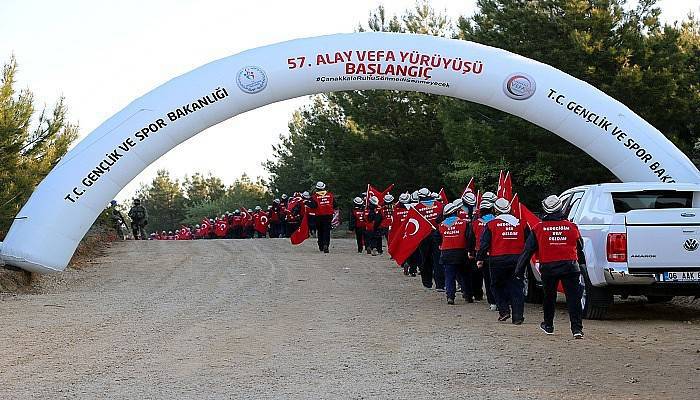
(453, 240)
(431, 210)
(557, 243)
(323, 203)
(476, 230)
(502, 242)
(356, 222)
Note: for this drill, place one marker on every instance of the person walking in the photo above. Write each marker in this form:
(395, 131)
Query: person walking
(453, 252)
(324, 205)
(356, 222)
(502, 243)
(139, 220)
(557, 243)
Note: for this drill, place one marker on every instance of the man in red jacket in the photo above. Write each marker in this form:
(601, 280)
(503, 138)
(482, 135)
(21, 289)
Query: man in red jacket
(453, 251)
(557, 242)
(503, 241)
(430, 268)
(324, 204)
(357, 222)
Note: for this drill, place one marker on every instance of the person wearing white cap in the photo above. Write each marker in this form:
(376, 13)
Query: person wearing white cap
(490, 197)
(481, 277)
(275, 218)
(502, 243)
(373, 220)
(323, 203)
(453, 252)
(557, 242)
(398, 218)
(387, 210)
(430, 268)
(473, 274)
(356, 222)
(468, 205)
(311, 215)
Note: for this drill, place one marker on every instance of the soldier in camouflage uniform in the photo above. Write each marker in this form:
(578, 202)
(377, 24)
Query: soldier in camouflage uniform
(139, 220)
(117, 220)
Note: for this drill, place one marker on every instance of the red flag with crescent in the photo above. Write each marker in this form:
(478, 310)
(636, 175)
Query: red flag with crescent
(221, 228)
(302, 233)
(261, 223)
(410, 235)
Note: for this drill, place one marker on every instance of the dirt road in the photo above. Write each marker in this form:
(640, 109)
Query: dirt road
(260, 319)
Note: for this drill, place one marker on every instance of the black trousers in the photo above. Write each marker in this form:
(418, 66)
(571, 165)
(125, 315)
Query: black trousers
(486, 275)
(360, 238)
(368, 237)
(323, 224)
(312, 224)
(430, 267)
(275, 229)
(509, 292)
(573, 291)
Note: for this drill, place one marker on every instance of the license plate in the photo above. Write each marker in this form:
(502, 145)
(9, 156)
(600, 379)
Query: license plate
(682, 276)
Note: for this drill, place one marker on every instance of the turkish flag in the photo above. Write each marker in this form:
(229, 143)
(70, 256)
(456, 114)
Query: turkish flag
(245, 216)
(443, 196)
(528, 216)
(515, 206)
(409, 236)
(373, 191)
(505, 189)
(302, 233)
(471, 187)
(500, 183)
(478, 204)
(261, 223)
(221, 228)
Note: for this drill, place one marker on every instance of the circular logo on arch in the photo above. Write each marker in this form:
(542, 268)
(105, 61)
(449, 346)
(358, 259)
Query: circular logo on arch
(519, 86)
(251, 79)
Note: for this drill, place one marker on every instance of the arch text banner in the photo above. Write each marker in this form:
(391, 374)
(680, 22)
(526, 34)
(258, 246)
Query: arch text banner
(49, 227)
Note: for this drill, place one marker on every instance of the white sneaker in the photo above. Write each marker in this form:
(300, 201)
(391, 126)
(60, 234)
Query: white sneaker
(493, 307)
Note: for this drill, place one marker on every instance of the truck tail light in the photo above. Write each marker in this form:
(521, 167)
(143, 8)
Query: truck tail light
(617, 247)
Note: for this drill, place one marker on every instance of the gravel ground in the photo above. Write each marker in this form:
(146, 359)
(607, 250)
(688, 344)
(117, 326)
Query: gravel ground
(260, 319)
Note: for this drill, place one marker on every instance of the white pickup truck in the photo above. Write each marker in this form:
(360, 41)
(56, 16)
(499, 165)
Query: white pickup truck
(639, 239)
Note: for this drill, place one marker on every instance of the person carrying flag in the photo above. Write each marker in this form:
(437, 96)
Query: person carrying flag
(430, 268)
(476, 228)
(237, 224)
(356, 222)
(260, 222)
(373, 221)
(557, 243)
(387, 211)
(502, 243)
(324, 205)
(276, 219)
(453, 252)
(398, 219)
(472, 274)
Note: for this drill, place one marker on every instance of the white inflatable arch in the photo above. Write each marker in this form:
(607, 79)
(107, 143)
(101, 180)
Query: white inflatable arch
(49, 227)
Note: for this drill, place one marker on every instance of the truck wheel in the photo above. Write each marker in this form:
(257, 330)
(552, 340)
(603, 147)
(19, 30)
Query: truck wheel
(533, 293)
(658, 299)
(595, 300)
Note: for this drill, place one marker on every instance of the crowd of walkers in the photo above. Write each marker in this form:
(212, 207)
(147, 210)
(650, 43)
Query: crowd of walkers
(479, 245)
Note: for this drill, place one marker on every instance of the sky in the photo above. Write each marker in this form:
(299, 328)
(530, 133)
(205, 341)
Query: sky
(101, 55)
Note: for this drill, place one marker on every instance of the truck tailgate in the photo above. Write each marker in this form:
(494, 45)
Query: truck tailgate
(663, 239)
